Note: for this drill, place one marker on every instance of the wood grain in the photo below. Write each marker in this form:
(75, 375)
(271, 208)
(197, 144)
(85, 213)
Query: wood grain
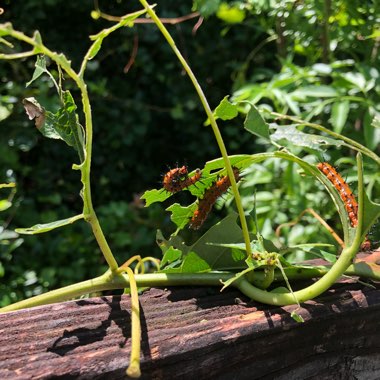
(197, 333)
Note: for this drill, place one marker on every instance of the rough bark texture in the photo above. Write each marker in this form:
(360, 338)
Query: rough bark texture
(197, 333)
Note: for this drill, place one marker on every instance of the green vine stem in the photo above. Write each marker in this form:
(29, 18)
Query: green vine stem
(85, 166)
(133, 369)
(211, 118)
(110, 281)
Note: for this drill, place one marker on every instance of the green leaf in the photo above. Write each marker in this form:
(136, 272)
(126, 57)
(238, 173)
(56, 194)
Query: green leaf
(297, 317)
(38, 39)
(154, 195)
(95, 48)
(376, 122)
(6, 29)
(181, 215)
(191, 263)
(291, 134)
(39, 70)
(371, 214)
(339, 114)
(320, 253)
(236, 277)
(64, 125)
(98, 38)
(40, 228)
(4, 204)
(314, 92)
(371, 134)
(216, 257)
(255, 123)
(10, 184)
(171, 256)
(5, 111)
(226, 110)
(230, 14)
(206, 7)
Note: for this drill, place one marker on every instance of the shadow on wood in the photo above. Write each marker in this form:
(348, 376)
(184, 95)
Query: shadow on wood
(197, 333)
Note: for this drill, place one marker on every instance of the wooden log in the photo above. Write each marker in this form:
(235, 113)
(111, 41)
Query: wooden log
(197, 333)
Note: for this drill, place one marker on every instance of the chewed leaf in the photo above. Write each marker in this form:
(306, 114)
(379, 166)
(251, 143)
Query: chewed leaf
(226, 110)
(64, 125)
(152, 196)
(291, 134)
(191, 263)
(41, 228)
(181, 215)
(39, 70)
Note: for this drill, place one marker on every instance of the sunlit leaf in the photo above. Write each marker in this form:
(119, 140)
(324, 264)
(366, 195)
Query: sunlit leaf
(171, 256)
(226, 110)
(230, 14)
(40, 228)
(10, 184)
(371, 134)
(376, 122)
(314, 92)
(339, 114)
(291, 134)
(4, 204)
(154, 195)
(181, 215)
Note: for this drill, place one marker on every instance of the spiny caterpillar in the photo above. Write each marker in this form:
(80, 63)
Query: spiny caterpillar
(210, 196)
(178, 179)
(343, 189)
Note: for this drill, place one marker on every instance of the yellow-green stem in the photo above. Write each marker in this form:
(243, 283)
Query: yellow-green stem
(133, 369)
(211, 117)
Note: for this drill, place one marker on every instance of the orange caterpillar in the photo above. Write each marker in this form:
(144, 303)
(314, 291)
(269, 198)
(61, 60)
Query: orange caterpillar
(177, 179)
(344, 191)
(210, 196)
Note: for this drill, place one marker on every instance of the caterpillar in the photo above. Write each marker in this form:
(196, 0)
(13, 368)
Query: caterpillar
(177, 179)
(210, 196)
(344, 191)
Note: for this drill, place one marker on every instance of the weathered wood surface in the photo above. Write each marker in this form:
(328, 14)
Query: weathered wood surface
(197, 333)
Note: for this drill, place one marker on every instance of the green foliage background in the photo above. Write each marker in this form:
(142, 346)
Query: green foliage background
(268, 52)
